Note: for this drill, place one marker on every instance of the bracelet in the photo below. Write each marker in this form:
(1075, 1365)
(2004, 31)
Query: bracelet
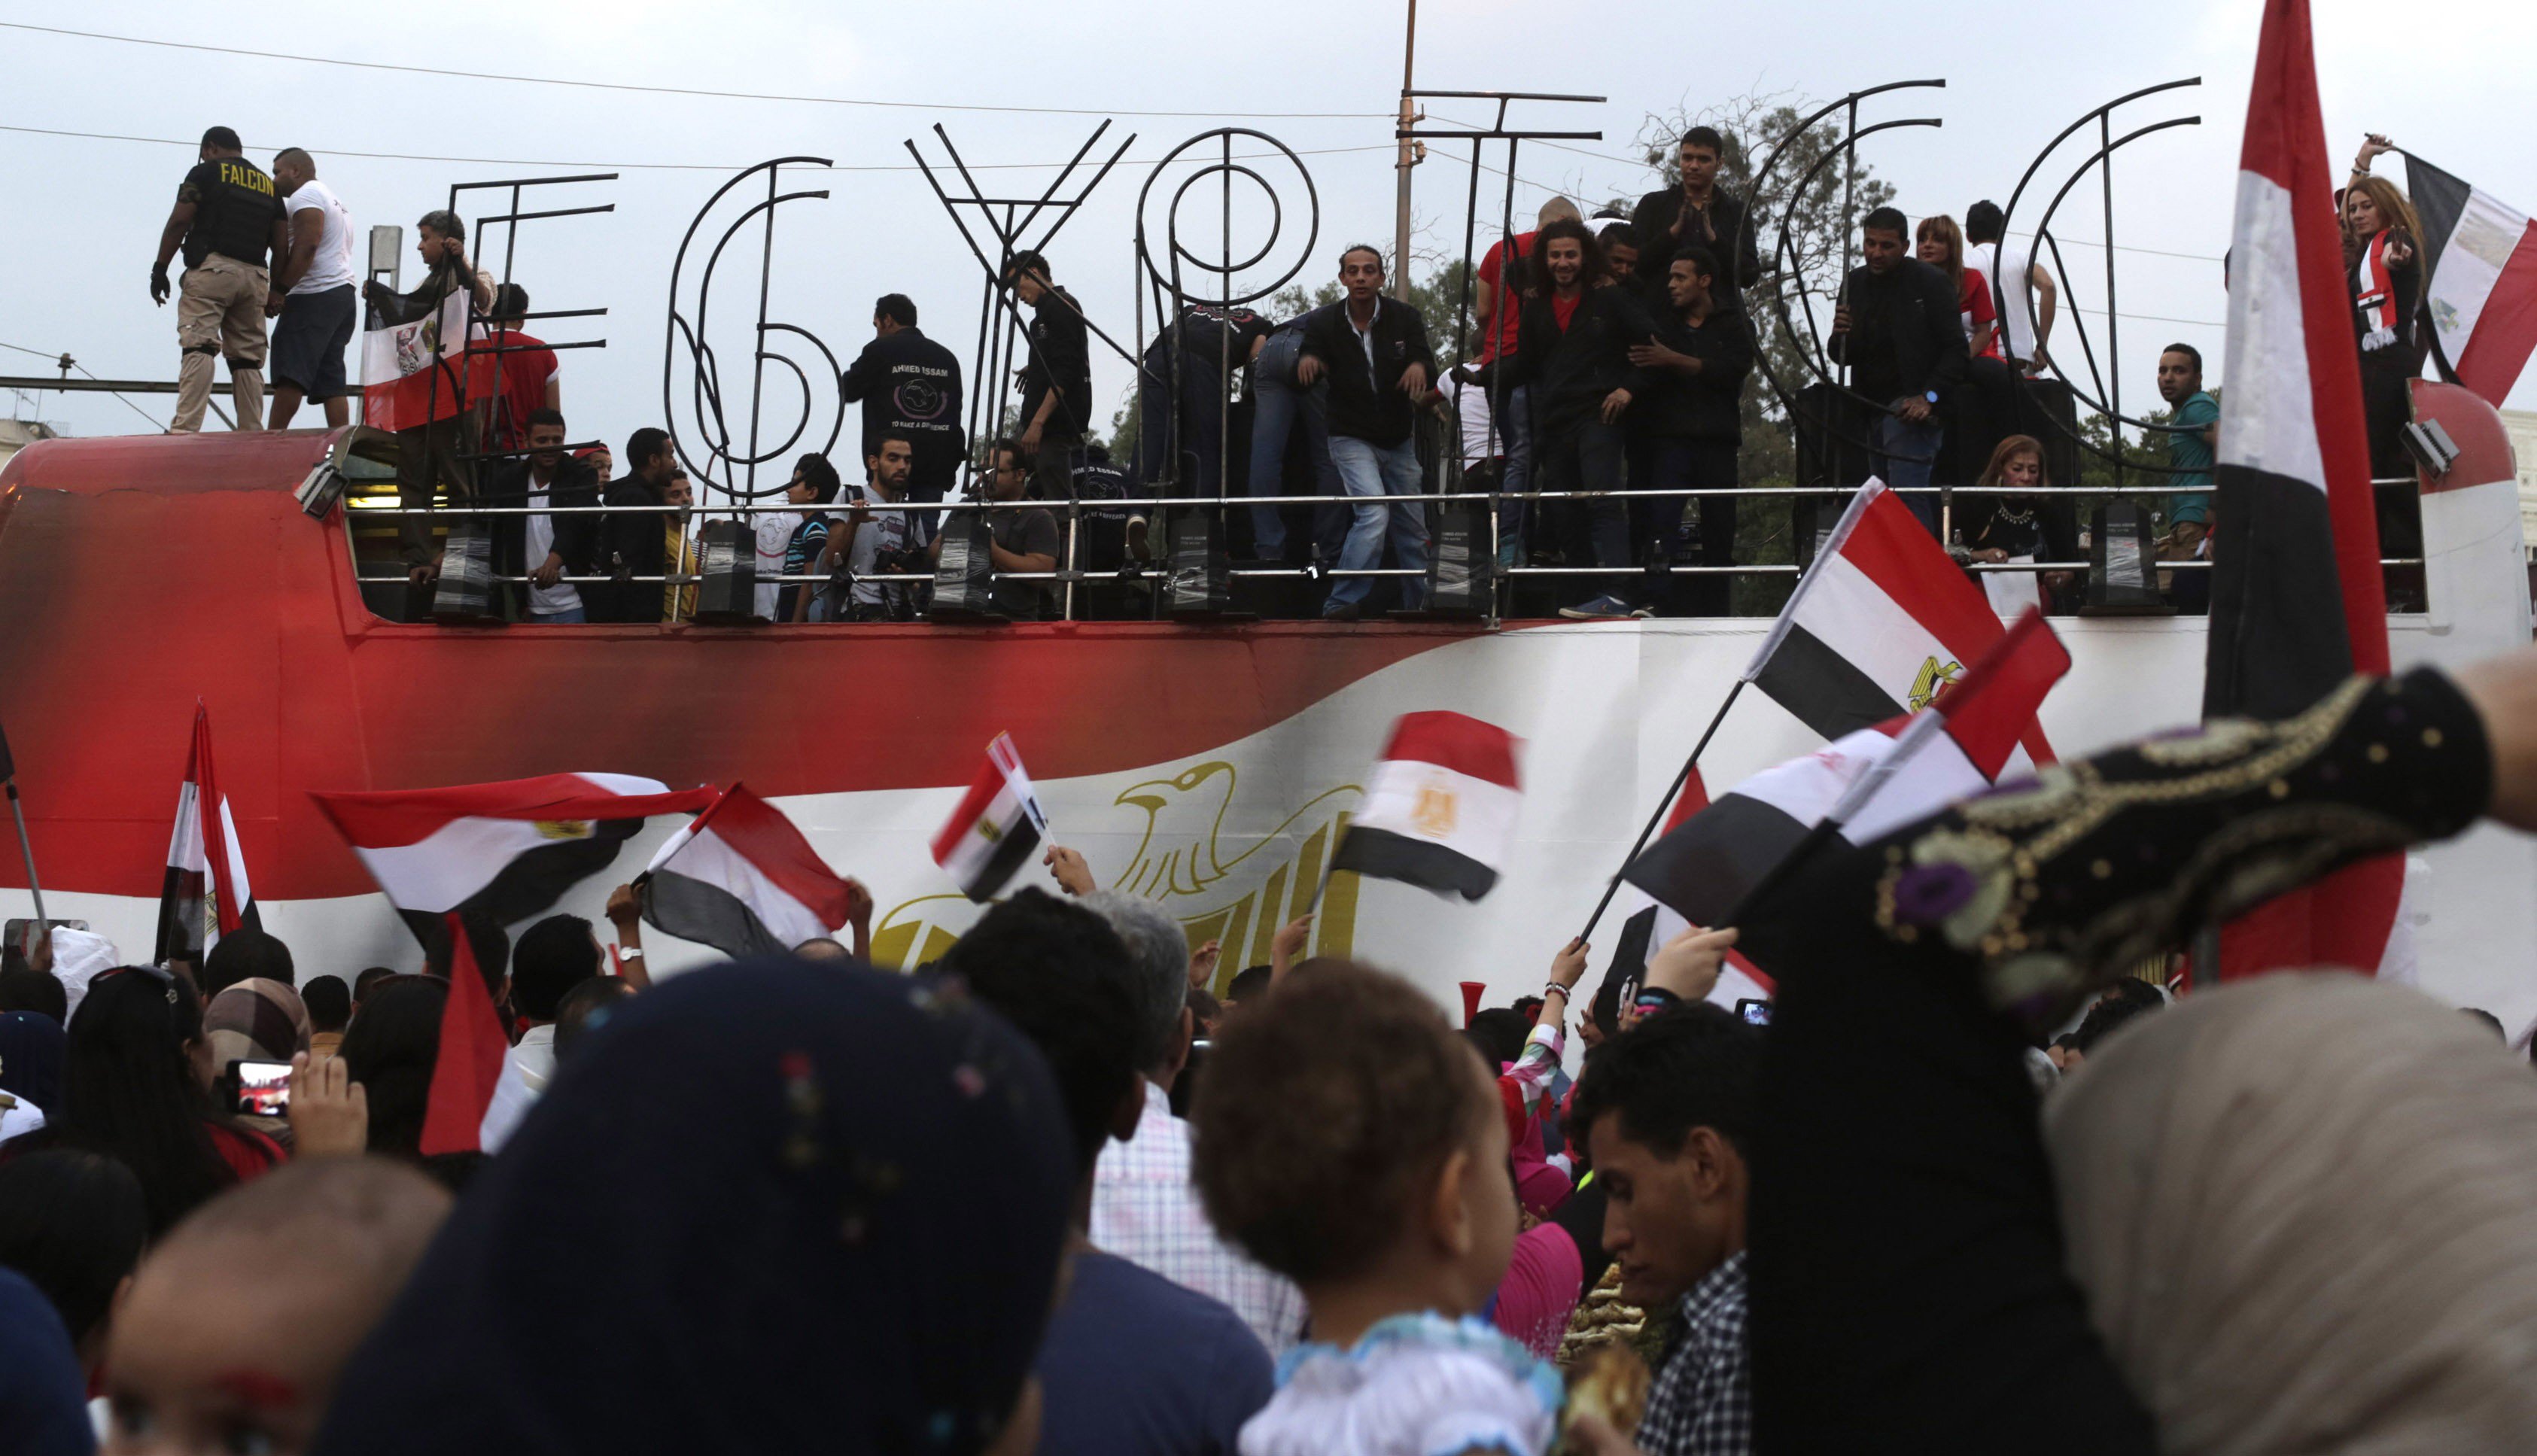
(1554, 988)
(629, 952)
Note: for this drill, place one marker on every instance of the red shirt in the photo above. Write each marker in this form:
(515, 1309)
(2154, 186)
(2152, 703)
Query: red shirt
(1565, 309)
(1502, 324)
(524, 374)
(1974, 309)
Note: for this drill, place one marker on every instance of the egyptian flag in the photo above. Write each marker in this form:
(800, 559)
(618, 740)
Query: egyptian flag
(205, 895)
(743, 880)
(1647, 925)
(413, 371)
(468, 1063)
(997, 828)
(1880, 624)
(2297, 603)
(494, 855)
(1863, 785)
(2480, 280)
(1439, 808)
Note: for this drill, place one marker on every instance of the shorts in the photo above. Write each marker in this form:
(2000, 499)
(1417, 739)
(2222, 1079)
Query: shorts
(309, 340)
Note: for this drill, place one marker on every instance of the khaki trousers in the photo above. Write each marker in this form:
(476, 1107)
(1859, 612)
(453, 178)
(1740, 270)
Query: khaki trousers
(219, 310)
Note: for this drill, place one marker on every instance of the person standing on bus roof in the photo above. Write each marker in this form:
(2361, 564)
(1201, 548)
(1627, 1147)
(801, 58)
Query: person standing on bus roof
(228, 220)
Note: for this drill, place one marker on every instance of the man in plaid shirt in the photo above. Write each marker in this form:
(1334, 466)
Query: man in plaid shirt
(1666, 1108)
(1145, 1208)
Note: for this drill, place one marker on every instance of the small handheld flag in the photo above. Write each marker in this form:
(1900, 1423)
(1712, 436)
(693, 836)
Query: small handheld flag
(205, 895)
(1439, 808)
(743, 880)
(996, 829)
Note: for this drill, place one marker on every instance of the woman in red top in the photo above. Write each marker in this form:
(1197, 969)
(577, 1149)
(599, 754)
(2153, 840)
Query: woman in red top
(1942, 246)
(137, 1085)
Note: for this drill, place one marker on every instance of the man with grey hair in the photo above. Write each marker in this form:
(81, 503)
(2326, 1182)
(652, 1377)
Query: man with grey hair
(1144, 1207)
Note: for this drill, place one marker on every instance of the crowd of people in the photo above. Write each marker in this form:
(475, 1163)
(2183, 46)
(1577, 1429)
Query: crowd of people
(1080, 1187)
(1611, 365)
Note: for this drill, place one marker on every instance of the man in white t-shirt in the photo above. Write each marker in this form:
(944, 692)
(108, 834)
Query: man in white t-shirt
(2030, 335)
(878, 540)
(314, 292)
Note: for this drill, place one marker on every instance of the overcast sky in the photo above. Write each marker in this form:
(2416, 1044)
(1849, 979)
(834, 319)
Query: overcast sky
(2446, 76)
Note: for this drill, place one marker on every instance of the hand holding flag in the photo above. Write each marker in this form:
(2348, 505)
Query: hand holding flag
(996, 828)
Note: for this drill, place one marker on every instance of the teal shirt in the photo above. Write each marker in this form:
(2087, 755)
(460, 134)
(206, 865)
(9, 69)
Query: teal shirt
(2190, 457)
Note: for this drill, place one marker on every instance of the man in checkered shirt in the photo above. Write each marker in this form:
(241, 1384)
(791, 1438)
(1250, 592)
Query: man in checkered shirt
(1145, 1209)
(1667, 1109)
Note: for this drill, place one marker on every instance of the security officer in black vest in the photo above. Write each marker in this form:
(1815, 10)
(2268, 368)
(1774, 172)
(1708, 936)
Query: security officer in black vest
(229, 219)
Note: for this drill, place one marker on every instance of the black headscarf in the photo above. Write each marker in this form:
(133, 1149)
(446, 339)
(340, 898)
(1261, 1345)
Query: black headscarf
(31, 1058)
(767, 1207)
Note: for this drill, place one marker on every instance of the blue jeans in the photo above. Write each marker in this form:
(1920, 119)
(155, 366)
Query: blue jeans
(1200, 439)
(1369, 473)
(573, 616)
(1281, 404)
(1904, 455)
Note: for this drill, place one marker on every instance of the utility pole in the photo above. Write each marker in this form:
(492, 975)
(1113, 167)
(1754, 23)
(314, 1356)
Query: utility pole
(1410, 149)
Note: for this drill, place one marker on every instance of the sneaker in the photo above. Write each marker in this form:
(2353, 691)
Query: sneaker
(1136, 541)
(1343, 612)
(1602, 609)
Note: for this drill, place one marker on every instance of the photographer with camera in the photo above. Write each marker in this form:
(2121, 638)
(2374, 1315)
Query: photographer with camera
(1024, 538)
(883, 542)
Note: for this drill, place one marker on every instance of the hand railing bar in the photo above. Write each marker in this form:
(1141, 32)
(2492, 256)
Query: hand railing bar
(1502, 96)
(608, 206)
(531, 181)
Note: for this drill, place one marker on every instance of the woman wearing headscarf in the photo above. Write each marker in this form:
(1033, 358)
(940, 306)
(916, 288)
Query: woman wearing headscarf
(256, 1020)
(1917, 1282)
(702, 1240)
(30, 1071)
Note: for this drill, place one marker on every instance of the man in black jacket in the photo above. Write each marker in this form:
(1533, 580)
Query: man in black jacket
(909, 386)
(1697, 212)
(1574, 359)
(544, 548)
(1702, 351)
(1374, 351)
(1057, 383)
(633, 541)
(1896, 329)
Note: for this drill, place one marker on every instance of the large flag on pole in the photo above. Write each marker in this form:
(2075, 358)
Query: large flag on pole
(2480, 280)
(413, 371)
(2297, 601)
(1865, 784)
(496, 854)
(205, 895)
(1880, 624)
(996, 828)
(743, 880)
(1647, 923)
(1439, 808)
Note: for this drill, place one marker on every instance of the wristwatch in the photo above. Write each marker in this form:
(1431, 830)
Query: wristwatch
(1930, 395)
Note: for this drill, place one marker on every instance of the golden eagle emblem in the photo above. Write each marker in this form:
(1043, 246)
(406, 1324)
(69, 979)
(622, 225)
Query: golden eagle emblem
(1226, 882)
(563, 828)
(1934, 676)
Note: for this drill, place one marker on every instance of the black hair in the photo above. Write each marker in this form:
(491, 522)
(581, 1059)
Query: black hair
(1499, 1034)
(885, 436)
(1703, 136)
(1251, 980)
(553, 956)
(390, 1051)
(363, 982)
(510, 301)
(446, 222)
(1096, 452)
(1029, 260)
(1064, 979)
(1984, 222)
(1007, 446)
(288, 153)
(1888, 220)
(546, 415)
(128, 1090)
(1590, 271)
(2131, 991)
(1684, 1067)
(246, 953)
(1360, 248)
(1701, 259)
(22, 988)
(2190, 351)
(329, 1002)
(2106, 1015)
(584, 1009)
(643, 444)
(72, 1222)
(2490, 1020)
(825, 484)
(222, 136)
(1618, 235)
(898, 308)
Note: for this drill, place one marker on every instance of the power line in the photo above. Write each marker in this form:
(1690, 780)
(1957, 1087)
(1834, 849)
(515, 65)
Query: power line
(675, 91)
(657, 166)
(83, 368)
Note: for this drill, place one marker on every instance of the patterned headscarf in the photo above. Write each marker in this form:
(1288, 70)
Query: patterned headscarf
(2304, 1211)
(256, 1020)
(834, 1199)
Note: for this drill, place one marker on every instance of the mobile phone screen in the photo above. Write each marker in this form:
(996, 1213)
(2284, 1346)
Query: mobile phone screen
(263, 1088)
(1754, 1010)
